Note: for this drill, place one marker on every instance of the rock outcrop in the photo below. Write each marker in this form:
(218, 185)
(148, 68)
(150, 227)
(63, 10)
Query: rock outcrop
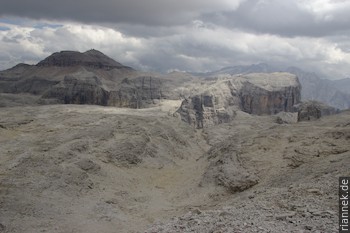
(313, 110)
(200, 111)
(335, 93)
(259, 94)
(286, 117)
(269, 93)
(226, 170)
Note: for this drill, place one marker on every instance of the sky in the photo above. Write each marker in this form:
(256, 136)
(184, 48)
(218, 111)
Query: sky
(177, 35)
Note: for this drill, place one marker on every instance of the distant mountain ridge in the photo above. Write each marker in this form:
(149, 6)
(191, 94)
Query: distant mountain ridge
(335, 93)
(254, 68)
(70, 77)
(343, 85)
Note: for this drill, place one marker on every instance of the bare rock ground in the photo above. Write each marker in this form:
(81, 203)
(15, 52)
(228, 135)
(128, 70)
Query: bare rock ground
(298, 166)
(72, 168)
(69, 168)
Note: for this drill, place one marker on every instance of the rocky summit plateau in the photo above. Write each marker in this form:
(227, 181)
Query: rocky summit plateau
(90, 145)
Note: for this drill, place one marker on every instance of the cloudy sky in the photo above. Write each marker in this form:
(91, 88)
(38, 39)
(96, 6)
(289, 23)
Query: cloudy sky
(192, 35)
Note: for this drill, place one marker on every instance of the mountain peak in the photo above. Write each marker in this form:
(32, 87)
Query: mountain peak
(91, 58)
(94, 52)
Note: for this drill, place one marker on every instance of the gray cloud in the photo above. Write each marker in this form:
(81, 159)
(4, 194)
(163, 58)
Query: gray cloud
(287, 18)
(150, 12)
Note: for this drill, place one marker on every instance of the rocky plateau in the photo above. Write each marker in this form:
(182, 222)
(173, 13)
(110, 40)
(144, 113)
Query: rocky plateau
(90, 145)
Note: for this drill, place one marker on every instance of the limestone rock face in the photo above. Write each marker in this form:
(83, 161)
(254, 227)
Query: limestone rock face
(199, 111)
(335, 93)
(259, 94)
(269, 93)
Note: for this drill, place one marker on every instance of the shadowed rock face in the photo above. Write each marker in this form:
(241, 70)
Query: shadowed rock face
(74, 91)
(131, 93)
(259, 101)
(33, 85)
(137, 93)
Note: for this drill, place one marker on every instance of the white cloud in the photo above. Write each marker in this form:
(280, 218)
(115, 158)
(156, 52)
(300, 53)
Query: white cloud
(198, 46)
(25, 44)
(323, 6)
(327, 10)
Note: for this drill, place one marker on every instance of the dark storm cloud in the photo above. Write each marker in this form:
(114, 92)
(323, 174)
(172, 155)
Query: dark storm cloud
(150, 18)
(150, 12)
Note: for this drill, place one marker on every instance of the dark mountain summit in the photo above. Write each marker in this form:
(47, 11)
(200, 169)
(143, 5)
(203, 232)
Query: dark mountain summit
(91, 58)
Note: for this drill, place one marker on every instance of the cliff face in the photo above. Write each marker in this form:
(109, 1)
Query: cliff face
(335, 93)
(259, 101)
(201, 111)
(139, 92)
(258, 94)
(76, 91)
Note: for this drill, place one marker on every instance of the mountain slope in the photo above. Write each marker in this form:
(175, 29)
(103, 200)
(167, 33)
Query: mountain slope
(343, 85)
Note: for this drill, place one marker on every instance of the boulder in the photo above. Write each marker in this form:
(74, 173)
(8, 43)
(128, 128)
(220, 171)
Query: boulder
(313, 110)
(286, 117)
(226, 170)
